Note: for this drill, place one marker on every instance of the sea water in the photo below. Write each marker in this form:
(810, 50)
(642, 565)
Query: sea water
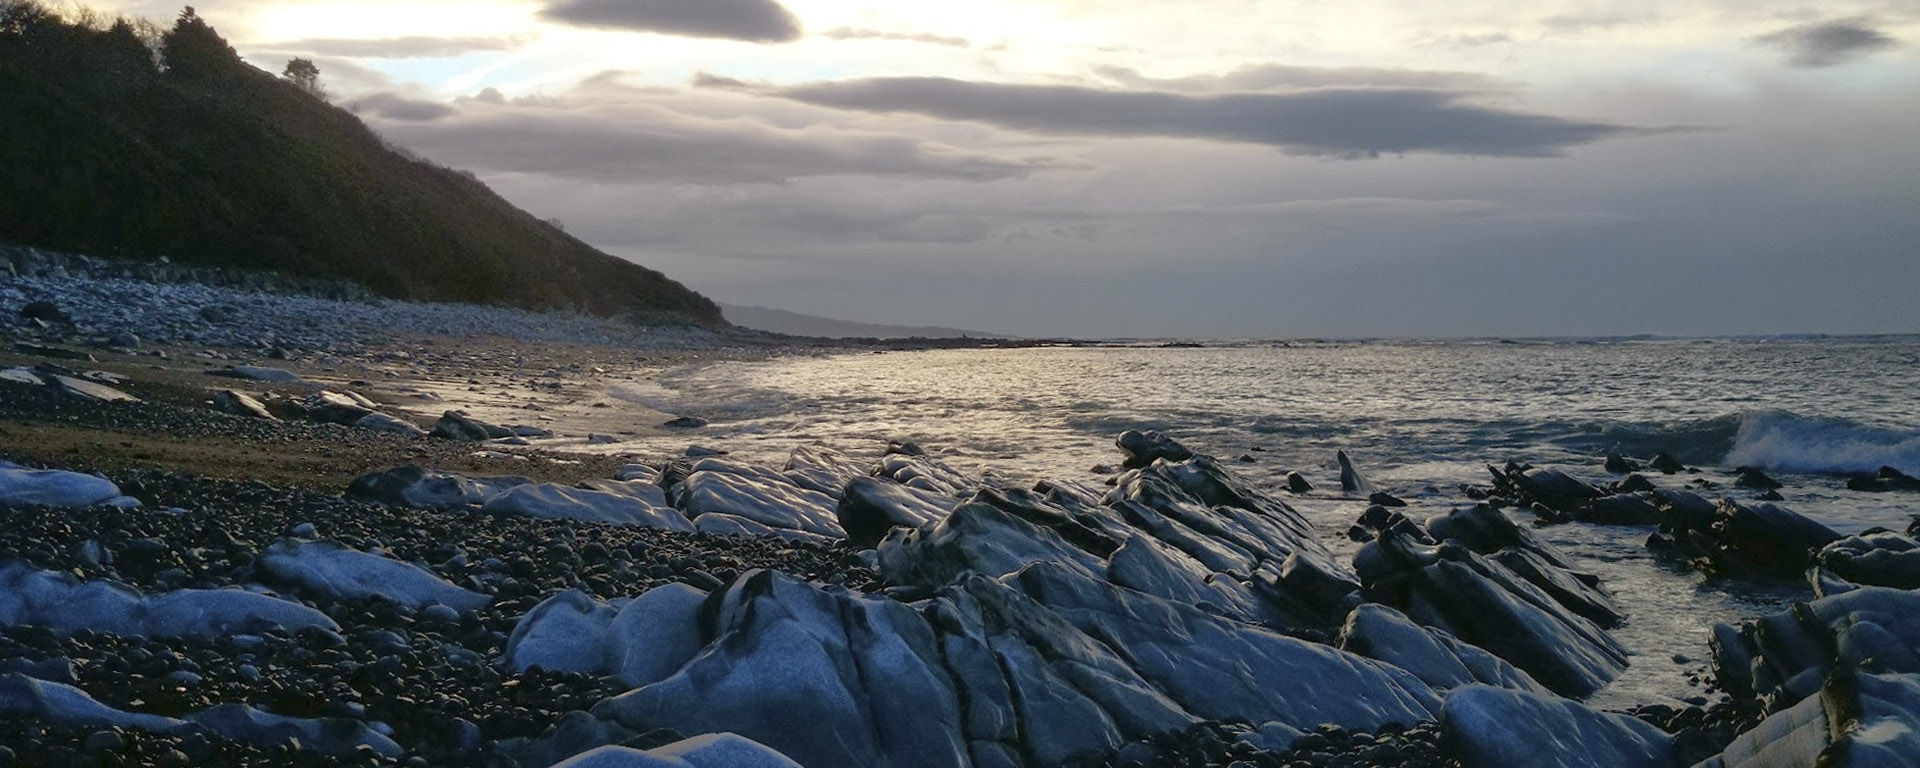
(1418, 418)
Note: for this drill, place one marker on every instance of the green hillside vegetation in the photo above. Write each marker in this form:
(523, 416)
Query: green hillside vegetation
(123, 140)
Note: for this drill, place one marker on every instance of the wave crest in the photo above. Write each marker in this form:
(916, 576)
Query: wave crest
(1782, 440)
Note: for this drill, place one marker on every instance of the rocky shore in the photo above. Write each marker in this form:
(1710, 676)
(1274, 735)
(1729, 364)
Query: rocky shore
(364, 551)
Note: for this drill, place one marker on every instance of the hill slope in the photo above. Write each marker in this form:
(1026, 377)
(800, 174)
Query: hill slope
(206, 159)
(796, 324)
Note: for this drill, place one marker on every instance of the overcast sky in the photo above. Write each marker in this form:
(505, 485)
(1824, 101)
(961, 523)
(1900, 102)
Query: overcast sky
(1201, 168)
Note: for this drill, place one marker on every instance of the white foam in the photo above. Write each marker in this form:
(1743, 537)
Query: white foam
(1785, 441)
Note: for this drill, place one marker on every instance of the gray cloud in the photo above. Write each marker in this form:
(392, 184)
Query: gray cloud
(755, 21)
(1264, 77)
(1343, 122)
(606, 133)
(411, 47)
(1826, 43)
(852, 33)
(392, 106)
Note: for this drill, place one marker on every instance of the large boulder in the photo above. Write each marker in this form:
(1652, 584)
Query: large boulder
(1785, 657)
(1854, 720)
(1876, 558)
(641, 641)
(1487, 727)
(1762, 540)
(1439, 659)
(1143, 448)
(1483, 602)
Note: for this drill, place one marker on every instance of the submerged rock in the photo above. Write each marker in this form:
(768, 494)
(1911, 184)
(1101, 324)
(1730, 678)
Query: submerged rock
(1351, 481)
(1887, 479)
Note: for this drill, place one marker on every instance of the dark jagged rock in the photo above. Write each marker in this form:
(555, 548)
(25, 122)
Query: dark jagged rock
(1750, 477)
(1142, 448)
(685, 422)
(1887, 479)
(1351, 481)
(1552, 488)
(1621, 465)
(46, 312)
(1666, 464)
(1620, 509)
(411, 486)
(457, 425)
(1297, 483)
(1384, 499)
(1767, 537)
(1635, 483)
(257, 373)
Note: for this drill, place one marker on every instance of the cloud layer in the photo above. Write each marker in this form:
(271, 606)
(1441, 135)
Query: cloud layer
(408, 47)
(1828, 43)
(605, 131)
(756, 21)
(1345, 122)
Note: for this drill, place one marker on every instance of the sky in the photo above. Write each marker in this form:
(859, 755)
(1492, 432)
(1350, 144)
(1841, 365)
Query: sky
(1207, 168)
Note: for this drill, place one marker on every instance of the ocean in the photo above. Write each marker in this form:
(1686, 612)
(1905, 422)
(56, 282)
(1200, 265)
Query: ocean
(1418, 418)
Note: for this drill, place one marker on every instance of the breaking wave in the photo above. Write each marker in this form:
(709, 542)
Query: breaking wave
(1785, 441)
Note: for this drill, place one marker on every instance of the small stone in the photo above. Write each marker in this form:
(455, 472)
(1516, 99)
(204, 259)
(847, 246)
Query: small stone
(305, 531)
